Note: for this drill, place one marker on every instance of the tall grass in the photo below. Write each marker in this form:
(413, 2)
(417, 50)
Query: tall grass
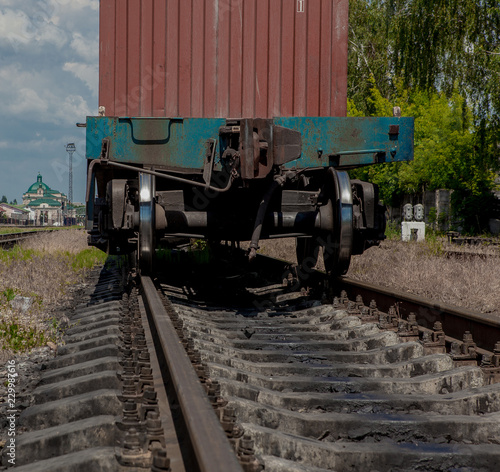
(422, 268)
(12, 230)
(464, 279)
(44, 270)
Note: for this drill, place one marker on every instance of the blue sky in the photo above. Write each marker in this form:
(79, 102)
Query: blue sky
(49, 53)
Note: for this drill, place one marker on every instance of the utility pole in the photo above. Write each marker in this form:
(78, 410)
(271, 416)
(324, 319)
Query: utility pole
(70, 149)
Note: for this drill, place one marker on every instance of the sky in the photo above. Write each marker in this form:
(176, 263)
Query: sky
(49, 54)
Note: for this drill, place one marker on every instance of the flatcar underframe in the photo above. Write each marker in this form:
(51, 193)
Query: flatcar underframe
(252, 179)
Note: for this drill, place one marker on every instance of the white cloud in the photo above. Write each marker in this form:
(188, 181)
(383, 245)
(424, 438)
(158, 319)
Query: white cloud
(87, 48)
(56, 145)
(88, 73)
(70, 11)
(21, 28)
(48, 82)
(37, 98)
(44, 22)
(74, 109)
(76, 4)
(16, 77)
(27, 100)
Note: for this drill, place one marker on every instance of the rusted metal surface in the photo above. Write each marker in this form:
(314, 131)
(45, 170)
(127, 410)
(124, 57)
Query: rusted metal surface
(455, 321)
(208, 440)
(223, 58)
(483, 327)
(298, 142)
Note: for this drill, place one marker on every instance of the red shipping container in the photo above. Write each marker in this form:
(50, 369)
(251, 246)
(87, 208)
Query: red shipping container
(223, 58)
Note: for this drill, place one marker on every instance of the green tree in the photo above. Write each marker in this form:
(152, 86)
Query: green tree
(441, 45)
(440, 62)
(445, 44)
(368, 58)
(4, 199)
(447, 154)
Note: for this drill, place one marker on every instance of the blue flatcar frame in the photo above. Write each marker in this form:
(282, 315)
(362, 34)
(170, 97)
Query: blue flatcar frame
(181, 143)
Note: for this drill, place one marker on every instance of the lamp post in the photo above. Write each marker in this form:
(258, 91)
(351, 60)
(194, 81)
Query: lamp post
(70, 149)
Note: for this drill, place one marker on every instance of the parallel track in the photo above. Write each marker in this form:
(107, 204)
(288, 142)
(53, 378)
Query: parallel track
(11, 239)
(484, 328)
(245, 374)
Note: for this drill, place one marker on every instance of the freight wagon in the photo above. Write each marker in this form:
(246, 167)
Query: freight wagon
(225, 120)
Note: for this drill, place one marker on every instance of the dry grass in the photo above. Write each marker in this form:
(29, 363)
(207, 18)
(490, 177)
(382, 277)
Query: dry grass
(29, 229)
(45, 270)
(424, 269)
(43, 266)
(71, 241)
(469, 281)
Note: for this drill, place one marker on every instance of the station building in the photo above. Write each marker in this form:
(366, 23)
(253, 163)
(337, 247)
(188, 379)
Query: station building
(48, 207)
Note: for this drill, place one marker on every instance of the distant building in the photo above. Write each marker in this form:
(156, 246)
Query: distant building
(13, 213)
(47, 206)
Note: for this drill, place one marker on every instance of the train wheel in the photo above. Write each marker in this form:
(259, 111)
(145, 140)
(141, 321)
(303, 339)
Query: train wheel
(337, 248)
(146, 223)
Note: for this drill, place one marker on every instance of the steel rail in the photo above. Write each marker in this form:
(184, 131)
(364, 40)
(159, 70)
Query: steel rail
(13, 238)
(211, 447)
(485, 328)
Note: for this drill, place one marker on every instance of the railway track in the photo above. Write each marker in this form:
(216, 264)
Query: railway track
(258, 377)
(11, 239)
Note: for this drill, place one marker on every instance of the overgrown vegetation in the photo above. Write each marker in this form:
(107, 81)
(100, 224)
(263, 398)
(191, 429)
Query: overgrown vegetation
(11, 230)
(393, 231)
(86, 259)
(35, 281)
(421, 268)
(16, 336)
(469, 281)
(440, 62)
(27, 229)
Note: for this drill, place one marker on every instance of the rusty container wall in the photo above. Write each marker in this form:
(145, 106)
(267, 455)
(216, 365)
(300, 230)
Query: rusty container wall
(223, 58)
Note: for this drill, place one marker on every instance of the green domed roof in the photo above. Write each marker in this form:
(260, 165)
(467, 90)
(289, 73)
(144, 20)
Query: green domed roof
(37, 185)
(47, 201)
